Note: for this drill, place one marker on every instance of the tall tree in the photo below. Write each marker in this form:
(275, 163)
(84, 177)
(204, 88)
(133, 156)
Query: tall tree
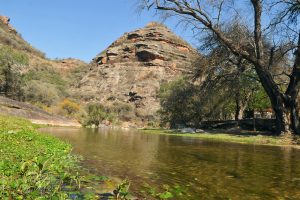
(212, 16)
(226, 69)
(11, 63)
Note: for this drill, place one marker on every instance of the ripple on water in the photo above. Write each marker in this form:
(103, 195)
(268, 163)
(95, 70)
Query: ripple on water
(205, 169)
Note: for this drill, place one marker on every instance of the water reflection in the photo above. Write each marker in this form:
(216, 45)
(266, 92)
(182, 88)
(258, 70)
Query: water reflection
(210, 170)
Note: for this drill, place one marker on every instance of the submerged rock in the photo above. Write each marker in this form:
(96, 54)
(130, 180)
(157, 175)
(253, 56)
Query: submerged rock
(188, 130)
(200, 131)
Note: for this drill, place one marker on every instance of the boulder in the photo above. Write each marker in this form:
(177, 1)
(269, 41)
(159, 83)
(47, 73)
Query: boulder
(188, 130)
(200, 131)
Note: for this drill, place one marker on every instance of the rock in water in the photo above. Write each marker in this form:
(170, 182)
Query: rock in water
(131, 70)
(200, 131)
(187, 130)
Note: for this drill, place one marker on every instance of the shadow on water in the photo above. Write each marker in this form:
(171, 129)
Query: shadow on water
(206, 169)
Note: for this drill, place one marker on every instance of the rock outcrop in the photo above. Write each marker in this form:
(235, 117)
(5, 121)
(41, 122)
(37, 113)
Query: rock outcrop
(33, 114)
(68, 65)
(132, 69)
(5, 20)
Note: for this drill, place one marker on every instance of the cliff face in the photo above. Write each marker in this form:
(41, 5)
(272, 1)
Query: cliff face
(132, 69)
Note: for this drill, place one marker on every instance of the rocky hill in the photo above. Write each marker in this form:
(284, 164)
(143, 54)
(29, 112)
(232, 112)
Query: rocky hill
(130, 71)
(33, 77)
(10, 37)
(124, 78)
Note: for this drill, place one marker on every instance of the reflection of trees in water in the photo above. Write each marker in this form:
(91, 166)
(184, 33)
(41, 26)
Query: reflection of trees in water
(125, 151)
(213, 170)
(229, 170)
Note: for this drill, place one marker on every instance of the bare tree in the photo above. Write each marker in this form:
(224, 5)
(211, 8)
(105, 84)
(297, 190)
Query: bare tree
(207, 15)
(227, 69)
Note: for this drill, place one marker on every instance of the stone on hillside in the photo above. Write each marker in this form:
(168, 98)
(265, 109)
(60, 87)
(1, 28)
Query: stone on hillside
(5, 20)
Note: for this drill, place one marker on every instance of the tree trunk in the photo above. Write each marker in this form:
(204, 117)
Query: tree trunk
(287, 117)
(241, 104)
(283, 122)
(239, 109)
(292, 92)
(295, 116)
(237, 106)
(281, 103)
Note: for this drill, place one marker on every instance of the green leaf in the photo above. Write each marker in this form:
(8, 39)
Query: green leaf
(166, 195)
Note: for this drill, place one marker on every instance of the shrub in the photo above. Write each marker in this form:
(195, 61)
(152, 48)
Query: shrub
(10, 76)
(96, 113)
(124, 111)
(179, 103)
(44, 85)
(11, 56)
(69, 107)
(45, 73)
(41, 92)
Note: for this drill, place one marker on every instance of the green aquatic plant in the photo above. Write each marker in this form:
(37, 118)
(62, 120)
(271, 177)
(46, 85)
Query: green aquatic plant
(34, 165)
(166, 192)
(122, 190)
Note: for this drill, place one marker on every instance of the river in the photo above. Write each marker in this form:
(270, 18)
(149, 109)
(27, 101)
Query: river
(202, 169)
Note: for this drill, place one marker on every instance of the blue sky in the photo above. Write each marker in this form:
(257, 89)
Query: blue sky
(76, 28)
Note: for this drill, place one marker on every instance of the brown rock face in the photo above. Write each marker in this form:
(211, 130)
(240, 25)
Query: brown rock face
(67, 65)
(33, 114)
(5, 20)
(132, 69)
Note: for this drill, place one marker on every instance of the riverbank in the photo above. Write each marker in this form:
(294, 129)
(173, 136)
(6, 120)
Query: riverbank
(35, 165)
(243, 138)
(32, 164)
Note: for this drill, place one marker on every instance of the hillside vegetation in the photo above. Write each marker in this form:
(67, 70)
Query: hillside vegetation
(10, 37)
(27, 75)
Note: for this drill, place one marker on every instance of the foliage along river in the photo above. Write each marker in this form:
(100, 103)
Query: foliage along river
(205, 169)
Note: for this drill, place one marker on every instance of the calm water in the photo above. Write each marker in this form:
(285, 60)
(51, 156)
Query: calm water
(208, 170)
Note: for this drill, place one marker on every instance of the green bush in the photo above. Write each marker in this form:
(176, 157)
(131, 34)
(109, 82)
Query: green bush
(11, 63)
(46, 73)
(179, 103)
(123, 110)
(96, 113)
(9, 55)
(69, 107)
(44, 85)
(41, 92)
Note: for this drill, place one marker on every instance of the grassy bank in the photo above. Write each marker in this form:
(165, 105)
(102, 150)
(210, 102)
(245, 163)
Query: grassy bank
(226, 137)
(39, 166)
(33, 165)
